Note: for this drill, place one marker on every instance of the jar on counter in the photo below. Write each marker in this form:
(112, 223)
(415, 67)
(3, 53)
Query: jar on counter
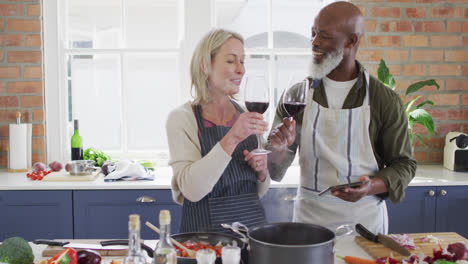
(206, 256)
(231, 255)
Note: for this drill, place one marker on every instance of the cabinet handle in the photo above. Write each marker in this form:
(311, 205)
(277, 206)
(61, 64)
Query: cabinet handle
(431, 193)
(145, 199)
(443, 192)
(289, 197)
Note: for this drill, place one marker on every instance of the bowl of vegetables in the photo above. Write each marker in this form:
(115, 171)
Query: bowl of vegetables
(81, 167)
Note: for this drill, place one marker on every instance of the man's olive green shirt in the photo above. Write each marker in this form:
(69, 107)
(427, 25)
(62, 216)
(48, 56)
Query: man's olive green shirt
(388, 131)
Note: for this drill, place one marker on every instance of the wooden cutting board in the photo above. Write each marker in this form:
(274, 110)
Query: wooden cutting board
(377, 250)
(51, 251)
(65, 176)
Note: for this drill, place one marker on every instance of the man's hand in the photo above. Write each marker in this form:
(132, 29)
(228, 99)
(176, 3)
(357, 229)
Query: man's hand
(355, 194)
(283, 135)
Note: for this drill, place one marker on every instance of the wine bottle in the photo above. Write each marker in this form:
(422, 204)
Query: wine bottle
(165, 252)
(76, 144)
(134, 254)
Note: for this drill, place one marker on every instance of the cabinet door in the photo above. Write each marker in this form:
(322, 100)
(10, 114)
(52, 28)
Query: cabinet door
(103, 214)
(36, 214)
(279, 204)
(452, 209)
(415, 214)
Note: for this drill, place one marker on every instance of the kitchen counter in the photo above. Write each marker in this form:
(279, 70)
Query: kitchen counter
(426, 175)
(345, 246)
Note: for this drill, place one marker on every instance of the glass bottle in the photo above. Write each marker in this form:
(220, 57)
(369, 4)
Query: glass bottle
(134, 254)
(76, 144)
(206, 256)
(231, 255)
(165, 252)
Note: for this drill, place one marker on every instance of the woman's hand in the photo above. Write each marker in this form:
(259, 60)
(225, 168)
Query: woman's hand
(247, 124)
(258, 163)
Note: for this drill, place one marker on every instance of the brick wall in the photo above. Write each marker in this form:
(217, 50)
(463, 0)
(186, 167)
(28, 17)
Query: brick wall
(21, 79)
(420, 40)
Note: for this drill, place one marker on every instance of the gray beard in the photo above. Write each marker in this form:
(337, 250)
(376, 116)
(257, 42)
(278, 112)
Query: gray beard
(329, 63)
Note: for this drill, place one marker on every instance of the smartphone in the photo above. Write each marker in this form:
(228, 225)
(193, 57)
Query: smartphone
(342, 186)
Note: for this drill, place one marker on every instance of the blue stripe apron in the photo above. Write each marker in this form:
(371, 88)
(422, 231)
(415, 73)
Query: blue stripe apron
(234, 197)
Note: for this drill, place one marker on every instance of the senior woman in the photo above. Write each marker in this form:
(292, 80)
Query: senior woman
(215, 177)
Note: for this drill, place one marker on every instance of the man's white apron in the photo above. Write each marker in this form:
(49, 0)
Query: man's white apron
(336, 149)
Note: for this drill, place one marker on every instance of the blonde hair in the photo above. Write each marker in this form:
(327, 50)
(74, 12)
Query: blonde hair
(202, 57)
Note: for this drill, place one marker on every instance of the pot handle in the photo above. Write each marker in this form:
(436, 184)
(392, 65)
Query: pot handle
(239, 229)
(344, 230)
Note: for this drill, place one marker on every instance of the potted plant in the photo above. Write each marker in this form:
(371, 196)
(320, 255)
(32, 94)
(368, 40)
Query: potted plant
(414, 113)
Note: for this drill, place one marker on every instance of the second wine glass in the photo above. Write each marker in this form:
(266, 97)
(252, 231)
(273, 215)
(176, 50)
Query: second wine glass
(257, 100)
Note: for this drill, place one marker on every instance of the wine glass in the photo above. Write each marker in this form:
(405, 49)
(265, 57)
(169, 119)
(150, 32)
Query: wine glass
(257, 100)
(294, 99)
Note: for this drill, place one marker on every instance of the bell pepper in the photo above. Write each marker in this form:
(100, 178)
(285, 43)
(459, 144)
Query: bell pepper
(66, 256)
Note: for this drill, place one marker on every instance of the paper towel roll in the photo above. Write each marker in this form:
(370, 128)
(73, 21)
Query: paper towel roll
(18, 159)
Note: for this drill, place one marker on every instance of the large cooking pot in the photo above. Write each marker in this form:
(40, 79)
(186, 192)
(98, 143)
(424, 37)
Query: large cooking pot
(211, 238)
(279, 243)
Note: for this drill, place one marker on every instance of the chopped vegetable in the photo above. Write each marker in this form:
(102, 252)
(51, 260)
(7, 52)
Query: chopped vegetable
(98, 156)
(88, 256)
(66, 256)
(39, 166)
(356, 260)
(405, 240)
(197, 246)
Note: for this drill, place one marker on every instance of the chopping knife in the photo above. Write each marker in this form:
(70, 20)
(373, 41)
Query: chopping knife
(80, 245)
(383, 239)
(50, 242)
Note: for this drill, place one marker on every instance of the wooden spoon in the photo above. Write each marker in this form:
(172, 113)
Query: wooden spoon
(191, 253)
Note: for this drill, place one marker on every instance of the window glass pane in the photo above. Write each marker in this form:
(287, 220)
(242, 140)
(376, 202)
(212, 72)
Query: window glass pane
(95, 92)
(151, 85)
(93, 24)
(292, 21)
(249, 18)
(290, 69)
(152, 23)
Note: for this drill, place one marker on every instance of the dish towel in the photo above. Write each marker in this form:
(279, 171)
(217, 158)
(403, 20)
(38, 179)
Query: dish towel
(128, 170)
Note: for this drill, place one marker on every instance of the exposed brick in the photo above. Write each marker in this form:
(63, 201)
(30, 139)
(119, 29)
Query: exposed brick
(444, 128)
(399, 1)
(25, 87)
(420, 156)
(457, 114)
(370, 55)
(2, 87)
(370, 25)
(10, 116)
(8, 101)
(433, 142)
(2, 54)
(38, 114)
(3, 160)
(457, 26)
(386, 12)
(415, 69)
(418, 128)
(444, 70)
(464, 99)
(10, 72)
(456, 55)
(437, 114)
(24, 56)
(416, 12)
(384, 41)
(24, 25)
(465, 70)
(429, 26)
(11, 10)
(427, 1)
(11, 40)
(33, 41)
(465, 129)
(38, 144)
(363, 10)
(396, 26)
(38, 130)
(34, 10)
(4, 144)
(447, 12)
(32, 101)
(2, 24)
(396, 55)
(446, 41)
(415, 41)
(32, 72)
(436, 156)
(427, 55)
(465, 41)
(4, 132)
(445, 99)
(457, 84)
(38, 157)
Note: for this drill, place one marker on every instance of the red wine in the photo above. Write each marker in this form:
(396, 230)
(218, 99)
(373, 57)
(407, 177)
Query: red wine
(259, 107)
(77, 153)
(294, 108)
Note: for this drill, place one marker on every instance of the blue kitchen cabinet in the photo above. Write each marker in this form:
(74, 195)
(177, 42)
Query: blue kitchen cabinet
(104, 213)
(36, 214)
(431, 209)
(279, 204)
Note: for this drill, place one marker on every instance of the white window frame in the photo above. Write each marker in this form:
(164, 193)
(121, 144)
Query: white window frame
(199, 17)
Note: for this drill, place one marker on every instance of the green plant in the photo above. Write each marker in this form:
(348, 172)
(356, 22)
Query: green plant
(414, 113)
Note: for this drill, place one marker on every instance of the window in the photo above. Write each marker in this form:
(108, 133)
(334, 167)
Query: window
(120, 66)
